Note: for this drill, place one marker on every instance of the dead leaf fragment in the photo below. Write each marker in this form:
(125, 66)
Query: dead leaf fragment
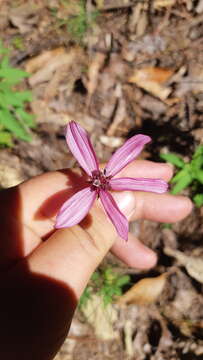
(101, 317)
(153, 79)
(10, 176)
(24, 17)
(163, 3)
(145, 291)
(45, 65)
(199, 8)
(38, 61)
(93, 74)
(111, 141)
(193, 264)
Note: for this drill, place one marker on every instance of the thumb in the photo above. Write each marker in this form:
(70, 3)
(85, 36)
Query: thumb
(71, 255)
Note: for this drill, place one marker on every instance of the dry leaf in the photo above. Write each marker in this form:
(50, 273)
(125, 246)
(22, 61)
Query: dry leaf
(193, 264)
(111, 141)
(25, 16)
(101, 317)
(93, 74)
(100, 3)
(47, 63)
(152, 79)
(198, 134)
(145, 291)
(163, 3)
(128, 337)
(113, 4)
(37, 62)
(118, 118)
(192, 82)
(10, 176)
(199, 8)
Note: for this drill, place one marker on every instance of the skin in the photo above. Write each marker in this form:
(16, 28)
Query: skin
(44, 272)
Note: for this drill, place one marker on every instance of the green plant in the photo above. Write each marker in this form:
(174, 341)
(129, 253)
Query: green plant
(17, 42)
(188, 174)
(78, 21)
(107, 283)
(14, 119)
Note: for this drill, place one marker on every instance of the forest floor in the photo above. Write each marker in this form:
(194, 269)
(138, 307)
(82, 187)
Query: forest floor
(119, 67)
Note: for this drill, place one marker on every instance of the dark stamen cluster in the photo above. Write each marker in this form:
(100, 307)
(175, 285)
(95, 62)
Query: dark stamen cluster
(99, 180)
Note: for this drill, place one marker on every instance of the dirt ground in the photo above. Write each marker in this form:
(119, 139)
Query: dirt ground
(119, 67)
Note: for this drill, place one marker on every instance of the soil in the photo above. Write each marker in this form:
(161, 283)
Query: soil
(136, 68)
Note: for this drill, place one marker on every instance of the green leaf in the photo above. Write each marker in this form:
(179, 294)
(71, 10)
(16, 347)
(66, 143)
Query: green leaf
(198, 200)
(4, 62)
(197, 160)
(4, 86)
(9, 98)
(199, 176)
(197, 164)
(181, 174)
(198, 151)
(3, 101)
(12, 124)
(123, 280)
(95, 276)
(183, 183)
(86, 295)
(166, 226)
(13, 75)
(173, 159)
(6, 138)
(27, 118)
(118, 292)
(24, 95)
(14, 98)
(106, 300)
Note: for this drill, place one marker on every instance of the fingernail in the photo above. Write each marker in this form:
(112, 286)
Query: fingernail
(126, 202)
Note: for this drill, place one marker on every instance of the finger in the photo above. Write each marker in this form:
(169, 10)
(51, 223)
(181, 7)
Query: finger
(166, 208)
(154, 207)
(147, 169)
(133, 253)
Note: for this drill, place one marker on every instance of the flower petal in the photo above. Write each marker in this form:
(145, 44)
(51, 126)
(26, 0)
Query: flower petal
(81, 147)
(75, 208)
(126, 153)
(118, 219)
(153, 185)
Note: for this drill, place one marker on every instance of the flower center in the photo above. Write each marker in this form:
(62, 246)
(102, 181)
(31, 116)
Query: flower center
(99, 181)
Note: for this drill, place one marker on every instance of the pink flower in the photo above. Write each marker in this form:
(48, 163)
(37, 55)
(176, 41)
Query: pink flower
(102, 181)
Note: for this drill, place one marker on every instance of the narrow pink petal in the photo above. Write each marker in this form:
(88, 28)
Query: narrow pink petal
(81, 147)
(153, 185)
(118, 219)
(75, 208)
(126, 153)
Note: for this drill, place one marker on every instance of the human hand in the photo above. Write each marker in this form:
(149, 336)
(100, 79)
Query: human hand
(41, 281)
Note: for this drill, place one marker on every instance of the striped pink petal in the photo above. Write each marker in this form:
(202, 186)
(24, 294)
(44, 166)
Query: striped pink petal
(153, 185)
(75, 208)
(118, 219)
(81, 147)
(126, 154)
